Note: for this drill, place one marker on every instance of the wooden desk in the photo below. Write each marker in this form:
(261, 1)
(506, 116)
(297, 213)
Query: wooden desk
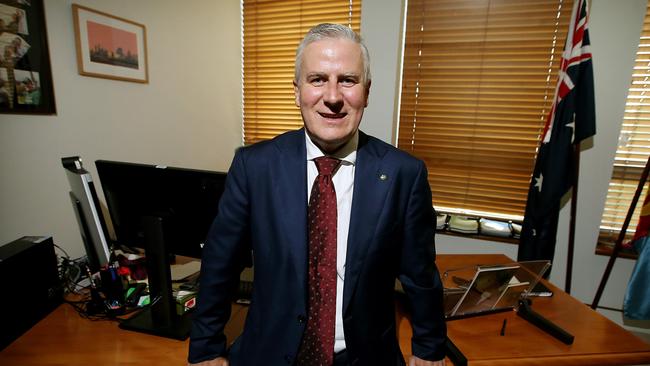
(598, 340)
(64, 338)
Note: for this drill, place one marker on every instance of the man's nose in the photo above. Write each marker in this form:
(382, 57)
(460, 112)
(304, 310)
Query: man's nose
(333, 98)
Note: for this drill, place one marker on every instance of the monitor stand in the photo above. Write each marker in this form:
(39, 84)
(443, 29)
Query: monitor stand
(525, 311)
(160, 317)
(91, 252)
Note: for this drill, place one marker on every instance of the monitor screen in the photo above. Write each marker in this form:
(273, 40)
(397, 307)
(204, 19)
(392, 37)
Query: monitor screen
(185, 199)
(87, 211)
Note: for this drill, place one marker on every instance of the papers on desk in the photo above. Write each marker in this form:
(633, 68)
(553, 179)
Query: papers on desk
(183, 271)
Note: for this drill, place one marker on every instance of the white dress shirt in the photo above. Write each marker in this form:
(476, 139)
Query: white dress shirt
(343, 180)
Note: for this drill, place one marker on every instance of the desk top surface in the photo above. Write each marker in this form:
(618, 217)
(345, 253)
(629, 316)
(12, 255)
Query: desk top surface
(63, 337)
(598, 340)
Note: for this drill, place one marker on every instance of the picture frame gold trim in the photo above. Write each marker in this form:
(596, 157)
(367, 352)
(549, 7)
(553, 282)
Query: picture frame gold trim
(109, 46)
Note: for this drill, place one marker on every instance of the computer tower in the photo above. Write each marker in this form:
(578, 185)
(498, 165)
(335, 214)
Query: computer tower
(30, 285)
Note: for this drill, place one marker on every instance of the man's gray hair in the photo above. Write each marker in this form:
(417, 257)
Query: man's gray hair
(332, 31)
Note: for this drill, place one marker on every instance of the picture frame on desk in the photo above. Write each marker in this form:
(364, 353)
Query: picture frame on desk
(110, 47)
(26, 85)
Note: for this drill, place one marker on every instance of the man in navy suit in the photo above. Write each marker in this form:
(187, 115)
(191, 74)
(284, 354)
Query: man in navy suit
(384, 230)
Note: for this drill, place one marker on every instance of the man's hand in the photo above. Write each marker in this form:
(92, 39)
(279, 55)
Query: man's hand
(219, 361)
(415, 361)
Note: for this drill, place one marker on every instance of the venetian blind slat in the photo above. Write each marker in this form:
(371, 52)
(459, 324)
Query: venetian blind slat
(478, 81)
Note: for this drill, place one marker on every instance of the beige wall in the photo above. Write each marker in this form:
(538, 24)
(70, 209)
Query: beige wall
(188, 115)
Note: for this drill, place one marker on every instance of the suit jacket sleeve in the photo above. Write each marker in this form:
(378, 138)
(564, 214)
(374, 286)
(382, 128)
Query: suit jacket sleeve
(419, 275)
(227, 243)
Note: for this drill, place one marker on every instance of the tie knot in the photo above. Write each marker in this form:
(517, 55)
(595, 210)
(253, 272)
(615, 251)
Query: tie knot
(326, 165)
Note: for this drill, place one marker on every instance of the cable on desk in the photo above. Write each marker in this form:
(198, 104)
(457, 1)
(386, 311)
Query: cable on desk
(76, 284)
(94, 308)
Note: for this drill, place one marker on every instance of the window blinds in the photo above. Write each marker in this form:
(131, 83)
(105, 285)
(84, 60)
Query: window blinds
(478, 81)
(634, 146)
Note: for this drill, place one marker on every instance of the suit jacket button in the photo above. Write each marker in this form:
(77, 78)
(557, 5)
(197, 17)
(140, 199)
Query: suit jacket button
(302, 319)
(288, 358)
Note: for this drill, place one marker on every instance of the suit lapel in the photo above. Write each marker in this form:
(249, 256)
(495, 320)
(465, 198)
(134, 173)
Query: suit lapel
(367, 204)
(291, 192)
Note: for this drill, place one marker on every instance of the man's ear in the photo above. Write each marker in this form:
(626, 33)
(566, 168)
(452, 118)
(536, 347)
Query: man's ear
(296, 92)
(367, 92)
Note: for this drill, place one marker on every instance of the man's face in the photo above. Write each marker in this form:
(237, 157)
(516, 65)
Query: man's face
(331, 92)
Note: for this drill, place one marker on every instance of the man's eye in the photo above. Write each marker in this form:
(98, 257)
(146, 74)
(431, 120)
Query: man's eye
(316, 81)
(348, 82)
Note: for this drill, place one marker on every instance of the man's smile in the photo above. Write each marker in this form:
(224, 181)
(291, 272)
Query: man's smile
(332, 115)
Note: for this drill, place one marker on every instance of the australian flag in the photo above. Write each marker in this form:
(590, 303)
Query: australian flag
(571, 120)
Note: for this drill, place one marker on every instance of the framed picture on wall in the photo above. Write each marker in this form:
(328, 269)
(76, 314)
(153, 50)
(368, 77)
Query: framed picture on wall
(25, 72)
(110, 47)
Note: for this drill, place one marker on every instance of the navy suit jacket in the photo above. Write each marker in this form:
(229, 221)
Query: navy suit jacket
(264, 208)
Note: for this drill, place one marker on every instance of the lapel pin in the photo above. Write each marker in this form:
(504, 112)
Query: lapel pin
(383, 177)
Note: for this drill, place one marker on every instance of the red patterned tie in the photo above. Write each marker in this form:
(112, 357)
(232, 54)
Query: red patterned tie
(317, 346)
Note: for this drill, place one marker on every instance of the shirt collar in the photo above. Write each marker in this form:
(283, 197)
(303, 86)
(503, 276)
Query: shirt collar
(348, 153)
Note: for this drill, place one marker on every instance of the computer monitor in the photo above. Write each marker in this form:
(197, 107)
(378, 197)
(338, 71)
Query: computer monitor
(87, 211)
(166, 211)
(186, 199)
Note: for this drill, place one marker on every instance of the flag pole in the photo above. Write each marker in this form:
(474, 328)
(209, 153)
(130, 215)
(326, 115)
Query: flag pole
(572, 222)
(621, 236)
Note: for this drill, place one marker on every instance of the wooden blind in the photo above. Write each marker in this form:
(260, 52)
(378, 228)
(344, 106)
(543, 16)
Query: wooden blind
(478, 81)
(272, 30)
(634, 146)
